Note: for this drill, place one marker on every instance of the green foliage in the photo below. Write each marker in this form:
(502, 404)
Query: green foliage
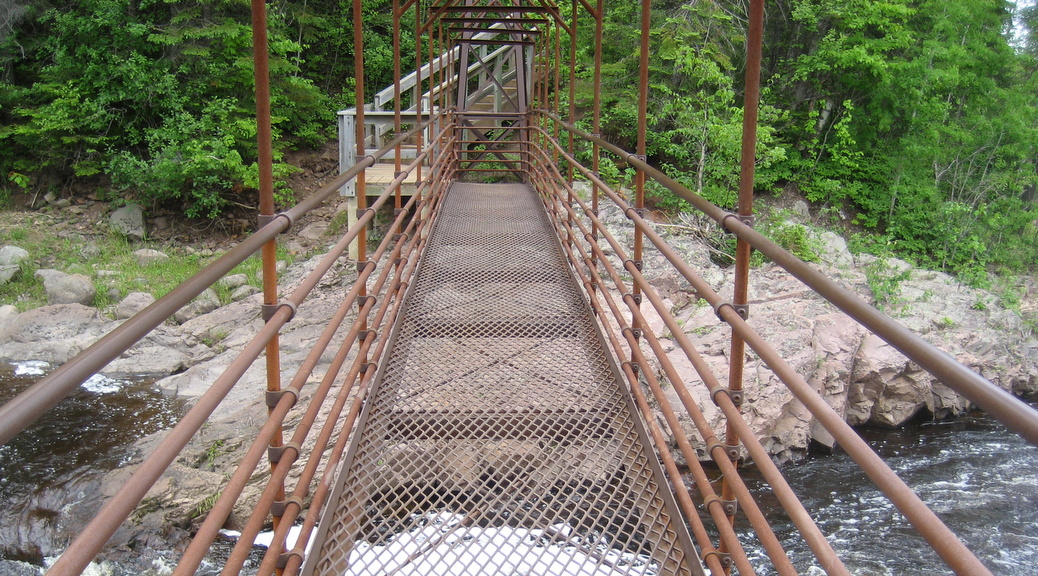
(155, 95)
(885, 282)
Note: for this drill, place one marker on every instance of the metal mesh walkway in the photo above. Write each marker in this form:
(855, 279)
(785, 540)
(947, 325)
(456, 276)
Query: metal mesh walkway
(498, 438)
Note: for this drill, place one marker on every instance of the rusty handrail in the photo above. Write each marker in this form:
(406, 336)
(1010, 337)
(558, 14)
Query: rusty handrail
(789, 501)
(118, 508)
(20, 412)
(193, 556)
(1003, 406)
(940, 537)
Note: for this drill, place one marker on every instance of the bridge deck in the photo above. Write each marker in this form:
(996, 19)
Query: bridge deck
(498, 438)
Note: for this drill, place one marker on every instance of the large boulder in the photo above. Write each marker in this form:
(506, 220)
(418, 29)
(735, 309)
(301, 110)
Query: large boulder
(132, 304)
(129, 221)
(65, 288)
(205, 303)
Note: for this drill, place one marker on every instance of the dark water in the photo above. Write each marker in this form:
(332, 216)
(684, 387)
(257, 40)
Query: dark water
(49, 474)
(981, 480)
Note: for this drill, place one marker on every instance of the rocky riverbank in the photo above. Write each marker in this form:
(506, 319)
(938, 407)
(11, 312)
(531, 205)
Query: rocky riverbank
(863, 378)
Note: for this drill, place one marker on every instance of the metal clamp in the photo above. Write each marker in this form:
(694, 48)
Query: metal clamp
(279, 507)
(362, 211)
(736, 396)
(273, 397)
(362, 301)
(724, 557)
(731, 507)
(362, 264)
(269, 310)
(638, 264)
(743, 310)
(263, 219)
(275, 453)
(747, 219)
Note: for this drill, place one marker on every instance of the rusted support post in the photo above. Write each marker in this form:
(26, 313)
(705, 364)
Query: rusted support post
(557, 85)
(362, 192)
(572, 86)
(745, 208)
(596, 106)
(396, 100)
(265, 160)
(643, 120)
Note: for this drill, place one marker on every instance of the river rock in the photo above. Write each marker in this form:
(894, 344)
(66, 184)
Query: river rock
(147, 256)
(233, 281)
(132, 304)
(50, 333)
(13, 255)
(129, 221)
(863, 379)
(206, 302)
(243, 292)
(11, 258)
(65, 288)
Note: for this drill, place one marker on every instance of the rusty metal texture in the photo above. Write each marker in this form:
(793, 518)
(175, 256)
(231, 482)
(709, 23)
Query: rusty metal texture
(498, 436)
(1002, 405)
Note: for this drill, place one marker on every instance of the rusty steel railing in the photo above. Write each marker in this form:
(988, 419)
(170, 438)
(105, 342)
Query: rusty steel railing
(586, 228)
(394, 251)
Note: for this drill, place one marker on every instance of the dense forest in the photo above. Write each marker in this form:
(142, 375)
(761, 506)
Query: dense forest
(912, 122)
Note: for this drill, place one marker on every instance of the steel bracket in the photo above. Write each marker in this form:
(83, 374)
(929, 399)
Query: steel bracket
(268, 310)
(362, 301)
(362, 264)
(743, 310)
(275, 453)
(279, 507)
(273, 397)
(724, 557)
(730, 507)
(362, 211)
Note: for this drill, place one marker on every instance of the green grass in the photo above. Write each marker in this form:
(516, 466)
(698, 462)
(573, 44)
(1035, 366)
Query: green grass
(107, 259)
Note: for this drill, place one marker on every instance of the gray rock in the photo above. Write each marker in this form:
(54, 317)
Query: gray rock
(54, 200)
(243, 292)
(13, 255)
(133, 303)
(50, 333)
(832, 248)
(64, 288)
(233, 281)
(147, 256)
(90, 251)
(314, 231)
(11, 259)
(129, 221)
(7, 273)
(205, 303)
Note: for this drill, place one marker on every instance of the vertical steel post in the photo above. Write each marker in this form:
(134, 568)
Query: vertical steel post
(556, 90)
(362, 192)
(265, 160)
(397, 104)
(572, 88)
(643, 113)
(596, 105)
(745, 210)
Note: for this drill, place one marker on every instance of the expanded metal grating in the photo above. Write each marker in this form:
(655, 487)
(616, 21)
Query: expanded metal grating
(498, 438)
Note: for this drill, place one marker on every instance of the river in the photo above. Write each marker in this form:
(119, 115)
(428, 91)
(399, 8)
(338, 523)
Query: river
(981, 480)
